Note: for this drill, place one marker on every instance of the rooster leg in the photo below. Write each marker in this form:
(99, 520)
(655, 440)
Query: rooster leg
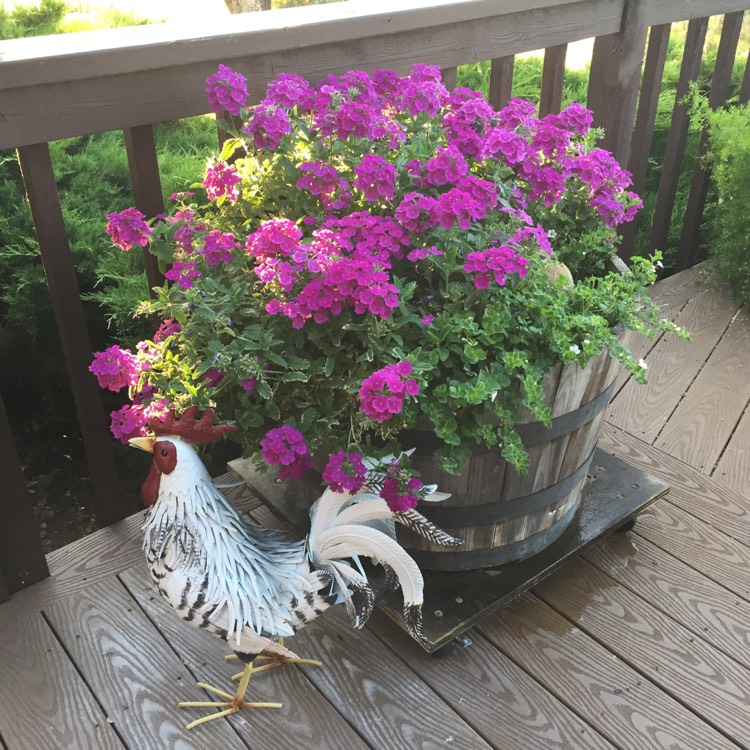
(274, 660)
(233, 703)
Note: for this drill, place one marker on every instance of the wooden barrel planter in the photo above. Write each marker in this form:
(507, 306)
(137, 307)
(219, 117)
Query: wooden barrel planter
(504, 516)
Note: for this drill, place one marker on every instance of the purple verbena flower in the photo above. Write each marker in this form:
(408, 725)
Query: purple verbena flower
(116, 368)
(227, 90)
(127, 228)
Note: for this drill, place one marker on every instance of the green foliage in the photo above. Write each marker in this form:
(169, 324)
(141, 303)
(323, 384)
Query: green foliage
(728, 217)
(32, 20)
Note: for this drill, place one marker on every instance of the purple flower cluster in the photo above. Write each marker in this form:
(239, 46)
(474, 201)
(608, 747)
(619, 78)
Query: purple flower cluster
(289, 91)
(218, 247)
(401, 494)
(323, 180)
(127, 228)
(116, 368)
(268, 124)
(279, 256)
(376, 178)
(285, 447)
(383, 393)
(221, 180)
(345, 472)
(169, 327)
(184, 272)
(226, 90)
(496, 262)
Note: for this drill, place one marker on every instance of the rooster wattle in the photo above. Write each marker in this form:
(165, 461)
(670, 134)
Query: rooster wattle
(252, 586)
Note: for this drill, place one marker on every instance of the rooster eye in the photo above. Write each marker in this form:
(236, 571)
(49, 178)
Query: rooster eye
(164, 452)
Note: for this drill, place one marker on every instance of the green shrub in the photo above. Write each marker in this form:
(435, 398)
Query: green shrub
(728, 226)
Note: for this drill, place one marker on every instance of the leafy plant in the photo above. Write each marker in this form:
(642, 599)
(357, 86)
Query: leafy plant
(378, 252)
(728, 156)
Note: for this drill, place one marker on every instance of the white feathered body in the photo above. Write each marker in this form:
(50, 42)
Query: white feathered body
(251, 585)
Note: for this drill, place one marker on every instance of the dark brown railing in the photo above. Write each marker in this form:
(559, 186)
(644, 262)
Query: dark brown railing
(129, 79)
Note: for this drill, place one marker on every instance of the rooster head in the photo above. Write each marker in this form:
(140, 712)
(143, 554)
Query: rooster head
(173, 452)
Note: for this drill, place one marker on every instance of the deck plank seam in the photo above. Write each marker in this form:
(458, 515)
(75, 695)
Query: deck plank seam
(686, 560)
(560, 695)
(694, 378)
(662, 686)
(476, 635)
(729, 440)
(656, 605)
(83, 679)
(188, 667)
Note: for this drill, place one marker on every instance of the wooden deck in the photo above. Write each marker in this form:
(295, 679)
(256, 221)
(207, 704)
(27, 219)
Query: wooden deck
(643, 642)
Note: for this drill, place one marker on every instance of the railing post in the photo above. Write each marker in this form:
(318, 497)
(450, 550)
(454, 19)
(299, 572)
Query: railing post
(615, 78)
(648, 102)
(501, 80)
(722, 77)
(44, 201)
(677, 136)
(22, 560)
(553, 78)
(144, 174)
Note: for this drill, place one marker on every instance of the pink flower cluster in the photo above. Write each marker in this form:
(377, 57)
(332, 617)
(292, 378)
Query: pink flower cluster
(345, 472)
(169, 327)
(286, 447)
(278, 254)
(383, 393)
(221, 180)
(127, 228)
(226, 90)
(132, 420)
(116, 368)
(376, 178)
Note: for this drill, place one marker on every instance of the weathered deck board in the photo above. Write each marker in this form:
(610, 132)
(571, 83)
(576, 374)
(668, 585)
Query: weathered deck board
(673, 364)
(702, 678)
(44, 703)
(304, 713)
(699, 545)
(524, 714)
(607, 693)
(133, 671)
(733, 468)
(705, 418)
(708, 610)
(692, 490)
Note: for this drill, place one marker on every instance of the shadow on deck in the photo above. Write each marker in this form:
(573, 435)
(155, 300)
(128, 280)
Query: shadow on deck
(643, 641)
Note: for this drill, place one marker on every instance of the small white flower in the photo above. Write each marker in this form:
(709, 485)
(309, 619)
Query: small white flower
(551, 234)
(586, 341)
(677, 329)
(575, 349)
(642, 364)
(659, 264)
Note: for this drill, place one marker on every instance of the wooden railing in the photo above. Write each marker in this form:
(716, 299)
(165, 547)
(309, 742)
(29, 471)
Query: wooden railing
(129, 79)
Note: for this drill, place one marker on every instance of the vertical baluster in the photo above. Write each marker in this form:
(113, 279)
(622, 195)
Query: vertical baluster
(144, 174)
(677, 136)
(22, 560)
(41, 189)
(553, 77)
(648, 103)
(722, 77)
(745, 90)
(501, 80)
(449, 76)
(615, 78)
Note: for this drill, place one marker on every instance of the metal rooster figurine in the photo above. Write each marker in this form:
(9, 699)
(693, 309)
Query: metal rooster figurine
(252, 586)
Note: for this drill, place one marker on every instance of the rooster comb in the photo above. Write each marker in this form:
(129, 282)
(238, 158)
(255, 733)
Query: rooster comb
(193, 430)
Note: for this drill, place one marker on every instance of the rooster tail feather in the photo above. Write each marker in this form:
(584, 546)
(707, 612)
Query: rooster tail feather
(415, 521)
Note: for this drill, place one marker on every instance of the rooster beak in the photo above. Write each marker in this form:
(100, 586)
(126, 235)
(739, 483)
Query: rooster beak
(144, 443)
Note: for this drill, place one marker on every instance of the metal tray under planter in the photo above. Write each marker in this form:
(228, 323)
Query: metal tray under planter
(614, 494)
